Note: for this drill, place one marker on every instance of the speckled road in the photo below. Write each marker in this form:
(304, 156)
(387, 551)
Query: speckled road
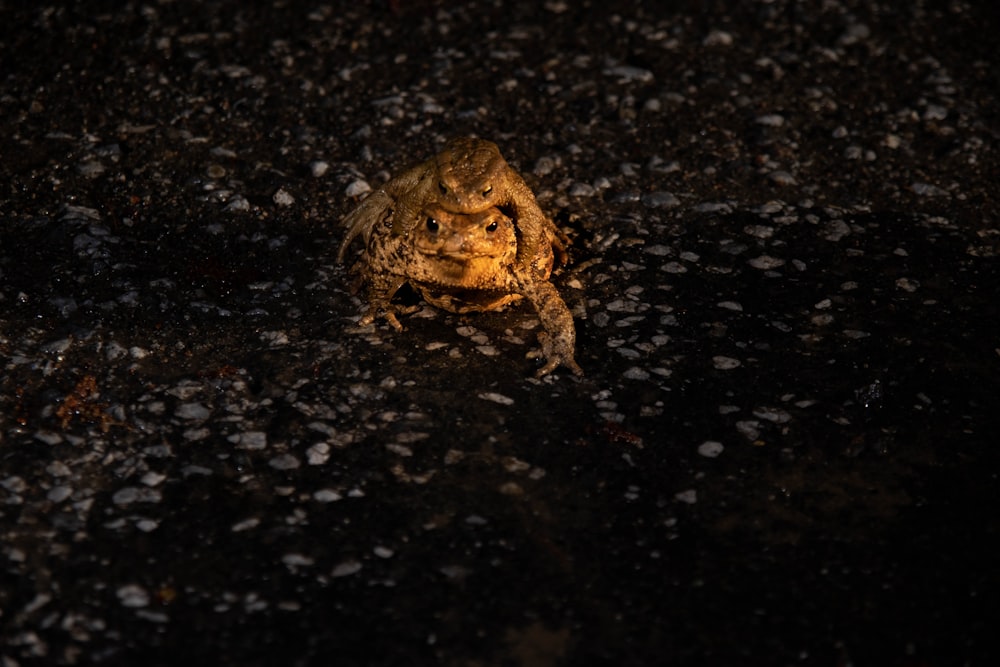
(784, 278)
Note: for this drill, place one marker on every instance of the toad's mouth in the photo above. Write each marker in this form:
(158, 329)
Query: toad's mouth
(456, 256)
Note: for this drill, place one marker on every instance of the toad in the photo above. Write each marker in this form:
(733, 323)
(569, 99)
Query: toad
(466, 232)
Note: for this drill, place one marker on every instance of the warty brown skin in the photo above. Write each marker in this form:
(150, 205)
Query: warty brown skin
(464, 230)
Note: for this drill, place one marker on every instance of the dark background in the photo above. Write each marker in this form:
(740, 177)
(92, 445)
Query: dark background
(785, 283)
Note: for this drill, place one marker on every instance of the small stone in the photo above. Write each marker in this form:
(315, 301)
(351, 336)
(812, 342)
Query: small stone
(749, 428)
(283, 198)
(326, 496)
(718, 38)
(496, 398)
(57, 494)
(544, 166)
(357, 188)
(284, 462)
(193, 411)
(346, 569)
(766, 262)
(770, 120)
(628, 74)
(660, 199)
(296, 560)
(928, 190)
(318, 454)
(133, 595)
(710, 449)
(238, 203)
(725, 363)
(636, 373)
(690, 496)
(781, 178)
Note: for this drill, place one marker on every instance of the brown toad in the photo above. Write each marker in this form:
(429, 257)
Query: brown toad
(464, 230)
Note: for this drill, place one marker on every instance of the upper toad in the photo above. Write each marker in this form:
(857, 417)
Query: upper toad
(465, 230)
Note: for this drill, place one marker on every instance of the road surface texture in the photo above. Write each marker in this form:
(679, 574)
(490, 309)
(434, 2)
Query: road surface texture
(785, 283)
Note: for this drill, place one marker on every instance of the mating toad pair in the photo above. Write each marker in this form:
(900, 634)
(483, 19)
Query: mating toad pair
(465, 230)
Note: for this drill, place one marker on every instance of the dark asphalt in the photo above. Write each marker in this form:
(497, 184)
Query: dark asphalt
(784, 277)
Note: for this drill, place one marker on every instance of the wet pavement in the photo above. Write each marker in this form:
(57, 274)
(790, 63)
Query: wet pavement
(784, 278)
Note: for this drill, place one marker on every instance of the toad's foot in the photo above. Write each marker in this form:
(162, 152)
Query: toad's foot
(557, 351)
(373, 314)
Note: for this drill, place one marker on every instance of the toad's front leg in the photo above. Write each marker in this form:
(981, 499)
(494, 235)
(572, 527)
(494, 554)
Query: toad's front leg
(381, 289)
(558, 338)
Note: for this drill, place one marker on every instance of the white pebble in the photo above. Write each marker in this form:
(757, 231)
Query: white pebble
(770, 120)
(690, 496)
(781, 177)
(749, 428)
(283, 198)
(544, 166)
(238, 203)
(249, 440)
(296, 560)
(57, 494)
(326, 496)
(318, 454)
(496, 398)
(718, 38)
(147, 525)
(133, 595)
(725, 363)
(346, 568)
(48, 437)
(658, 250)
(660, 200)
(114, 351)
(245, 524)
(358, 188)
(713, 207)
(192, 411)
(927, 190)
(775, 415)
(284, 462)
(626, 73)
(153, 478)
(636, 373)
(765, 262)
(710, 448)
(132, 494)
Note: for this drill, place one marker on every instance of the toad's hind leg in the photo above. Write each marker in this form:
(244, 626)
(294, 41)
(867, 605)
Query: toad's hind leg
(363, 219)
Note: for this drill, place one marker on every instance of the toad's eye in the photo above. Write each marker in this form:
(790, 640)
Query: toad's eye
(487, 190)
(492, 227)
(432, 225)
(442, 187)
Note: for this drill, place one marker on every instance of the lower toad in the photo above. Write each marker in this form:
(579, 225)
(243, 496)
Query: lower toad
(464, 261)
